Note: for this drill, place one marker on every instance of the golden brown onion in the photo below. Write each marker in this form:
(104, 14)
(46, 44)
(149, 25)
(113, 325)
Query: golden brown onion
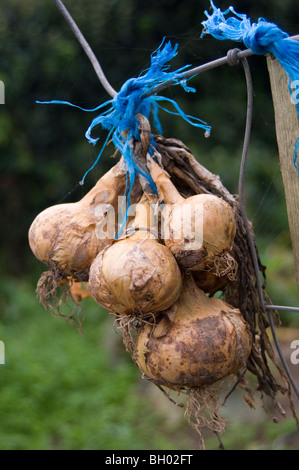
(79, 291)
(136, 274)
(215, 276)
(208, 281)
(65, 236)
(195, 229)
(197, 342)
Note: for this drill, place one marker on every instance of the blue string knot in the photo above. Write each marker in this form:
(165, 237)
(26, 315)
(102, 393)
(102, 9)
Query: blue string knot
(262, 36)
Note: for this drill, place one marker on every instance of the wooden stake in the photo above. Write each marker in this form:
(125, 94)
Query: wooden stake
(287, 131)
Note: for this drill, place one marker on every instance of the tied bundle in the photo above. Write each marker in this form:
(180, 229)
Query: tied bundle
(184, 242)
(135, 98)
(64, 236)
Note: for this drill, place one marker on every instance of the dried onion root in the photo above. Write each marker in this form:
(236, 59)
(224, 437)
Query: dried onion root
(218, 274)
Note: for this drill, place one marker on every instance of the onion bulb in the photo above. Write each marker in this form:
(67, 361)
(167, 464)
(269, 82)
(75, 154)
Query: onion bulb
(197, 342)
(137, 274)
(79, 291)
(209, 282)
(195, 229)
(216, 275)
(64, 236)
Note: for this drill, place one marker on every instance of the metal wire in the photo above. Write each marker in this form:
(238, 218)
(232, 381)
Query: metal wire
(208, 66)
(99, 71)
(282, 307)
(86, 47)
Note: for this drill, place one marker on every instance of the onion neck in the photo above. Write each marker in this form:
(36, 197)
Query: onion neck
(143, 221)
(192, 301)
(107, 183)
(190, 288)
(166, 189)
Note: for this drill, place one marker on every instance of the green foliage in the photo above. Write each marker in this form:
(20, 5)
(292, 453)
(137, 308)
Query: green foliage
(63, 390)
(60, 390)
(258, 436)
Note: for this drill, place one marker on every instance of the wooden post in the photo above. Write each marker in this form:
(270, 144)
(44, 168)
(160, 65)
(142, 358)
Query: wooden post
(287, 132)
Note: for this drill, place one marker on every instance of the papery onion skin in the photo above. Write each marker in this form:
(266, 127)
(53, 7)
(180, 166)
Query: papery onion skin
(215, 236)
(202, 341)
(195, 229)
(135, 276)
(71, 250)
(64, 236)
(209, 282)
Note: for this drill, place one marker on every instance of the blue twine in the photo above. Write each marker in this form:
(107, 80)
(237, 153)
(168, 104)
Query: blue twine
(261, 37)
(119, 119)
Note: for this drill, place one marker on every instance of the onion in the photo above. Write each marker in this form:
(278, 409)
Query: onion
(197, 342)
(217, 274)
(79, 291)
(64, 236)
(136, 274)
(196, 229)
(209, 282)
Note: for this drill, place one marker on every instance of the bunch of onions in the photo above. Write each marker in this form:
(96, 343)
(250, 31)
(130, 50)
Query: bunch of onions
(197, 342)
(195, 229)
(136, 275)
(64, 236)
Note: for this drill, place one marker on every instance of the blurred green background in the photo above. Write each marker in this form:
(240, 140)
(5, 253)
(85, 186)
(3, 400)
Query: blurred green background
(60, 389)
